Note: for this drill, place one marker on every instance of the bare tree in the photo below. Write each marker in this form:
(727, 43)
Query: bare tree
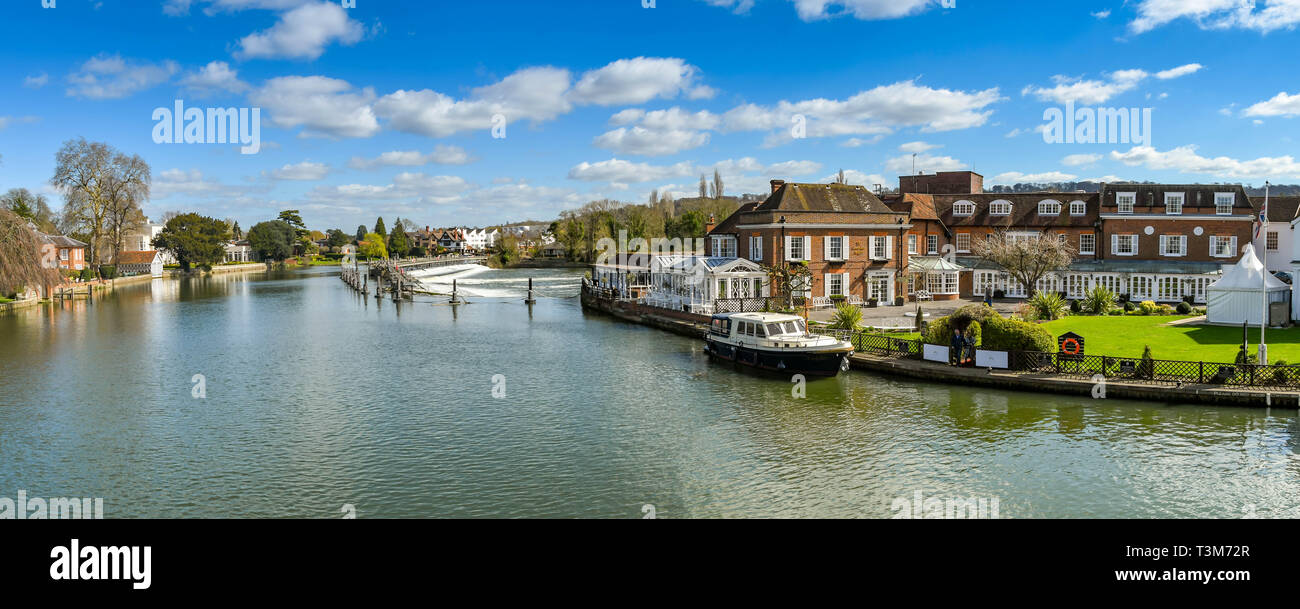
(840, 179)
(717, 184)
(704, 187)
(126, 187)
(1027, 259)
(95, 178)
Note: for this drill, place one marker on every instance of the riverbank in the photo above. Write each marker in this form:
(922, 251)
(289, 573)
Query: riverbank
(695, 326)
(82, 290)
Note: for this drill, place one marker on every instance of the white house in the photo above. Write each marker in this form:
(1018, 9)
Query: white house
(240, 251)
(130, 264)
(141, 240)
(693, 284)
(480, 239)
(1278, 240)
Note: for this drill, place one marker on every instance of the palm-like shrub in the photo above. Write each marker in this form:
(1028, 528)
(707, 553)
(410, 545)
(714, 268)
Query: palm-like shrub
(846, 317)
(1049, 306)
(1098, 300)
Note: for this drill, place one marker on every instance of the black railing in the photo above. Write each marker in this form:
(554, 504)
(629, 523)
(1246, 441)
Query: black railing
(1128, 369)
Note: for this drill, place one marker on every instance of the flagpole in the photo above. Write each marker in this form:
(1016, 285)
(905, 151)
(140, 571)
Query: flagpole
(1263, 322)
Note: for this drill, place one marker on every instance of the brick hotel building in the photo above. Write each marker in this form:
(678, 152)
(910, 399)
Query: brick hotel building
(1159, 242)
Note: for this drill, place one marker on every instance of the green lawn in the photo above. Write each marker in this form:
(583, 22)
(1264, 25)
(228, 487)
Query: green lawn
(1127, 336)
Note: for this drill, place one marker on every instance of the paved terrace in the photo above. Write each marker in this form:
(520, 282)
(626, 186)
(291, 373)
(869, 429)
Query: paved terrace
(901, 317)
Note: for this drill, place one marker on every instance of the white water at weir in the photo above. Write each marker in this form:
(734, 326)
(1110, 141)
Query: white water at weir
(478, 281)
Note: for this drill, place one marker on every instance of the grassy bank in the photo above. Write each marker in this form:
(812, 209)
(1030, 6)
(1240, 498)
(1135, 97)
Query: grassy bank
(1127, 336)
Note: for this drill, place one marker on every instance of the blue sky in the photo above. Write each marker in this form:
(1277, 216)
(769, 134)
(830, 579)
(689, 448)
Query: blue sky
(387, 108)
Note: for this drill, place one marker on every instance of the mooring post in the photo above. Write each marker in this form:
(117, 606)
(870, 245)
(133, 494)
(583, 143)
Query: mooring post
(530, 299)
(455, 293)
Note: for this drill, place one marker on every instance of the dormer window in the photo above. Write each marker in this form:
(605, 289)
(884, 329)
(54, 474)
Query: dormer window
(1174, 203)
(1125, 201)
(1049, 207)
(1000, 208)
(1078, 208)
(963, 208)
(1224, 202)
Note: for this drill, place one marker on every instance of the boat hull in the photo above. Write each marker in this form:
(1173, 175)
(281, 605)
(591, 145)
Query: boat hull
(825, 363)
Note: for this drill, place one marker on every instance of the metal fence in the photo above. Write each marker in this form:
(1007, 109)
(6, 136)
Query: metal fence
(1129, 369)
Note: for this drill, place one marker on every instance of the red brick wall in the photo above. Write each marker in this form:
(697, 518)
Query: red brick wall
(1198, 248)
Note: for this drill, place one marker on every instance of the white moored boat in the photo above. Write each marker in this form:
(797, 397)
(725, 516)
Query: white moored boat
(776, 342)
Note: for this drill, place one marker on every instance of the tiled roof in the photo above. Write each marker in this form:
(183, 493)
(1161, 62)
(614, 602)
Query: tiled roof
(1280, 209)
(728, 226)
(1024, 210)
(1151, 197)
(146, 257)
(839, 198)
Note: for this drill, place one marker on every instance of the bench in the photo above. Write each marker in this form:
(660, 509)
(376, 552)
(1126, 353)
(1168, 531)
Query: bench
(924, 296)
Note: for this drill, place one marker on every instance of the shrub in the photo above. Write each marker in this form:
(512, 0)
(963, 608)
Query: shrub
(1149, 307)
(1166, 309)
(1190, 300)
(999, 294)
(87, 274)
(1048, 306)
(1125, 298)
(1147, 367)
(1184, 308)
(940, 332)
(1001, 334)
(1129, 307)
(1075, 307)
(1098, 300)
(846, 317)
(108, 271)
(920, 319)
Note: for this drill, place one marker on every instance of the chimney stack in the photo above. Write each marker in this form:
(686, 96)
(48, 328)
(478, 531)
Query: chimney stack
(710, 225)
(776, 185)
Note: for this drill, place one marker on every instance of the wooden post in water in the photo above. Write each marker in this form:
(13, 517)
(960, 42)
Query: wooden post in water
(455, 293)
(530, 299)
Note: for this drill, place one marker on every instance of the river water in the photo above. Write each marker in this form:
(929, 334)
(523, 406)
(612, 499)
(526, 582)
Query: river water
(311, 397)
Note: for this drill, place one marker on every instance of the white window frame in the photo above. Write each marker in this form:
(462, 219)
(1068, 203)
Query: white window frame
(1175, 208)
(756, 248)
(1049, 207)
(1220, 204)
(963, 208)
(911, 244)
(1228, 245)
(1125, 200)
(963, 247)
(1078, 208)
(1001, 207)
(843, 281)
(1178, 243)
(1116, 240)
(931, 245)
(805, 244)
(880, 248)
(720, 243)
(1272, 241)
(1090, 251)
(829, 242)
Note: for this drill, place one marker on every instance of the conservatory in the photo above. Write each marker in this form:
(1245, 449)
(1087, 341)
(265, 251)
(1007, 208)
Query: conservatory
(694, 284)
(936, 278)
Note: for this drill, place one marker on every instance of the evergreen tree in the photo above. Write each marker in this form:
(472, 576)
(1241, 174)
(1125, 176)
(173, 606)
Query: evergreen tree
(379, 227)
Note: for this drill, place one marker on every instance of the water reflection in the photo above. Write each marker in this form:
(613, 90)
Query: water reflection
(317, 396)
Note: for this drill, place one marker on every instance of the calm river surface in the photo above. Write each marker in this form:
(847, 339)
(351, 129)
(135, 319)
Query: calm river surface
(317, 397)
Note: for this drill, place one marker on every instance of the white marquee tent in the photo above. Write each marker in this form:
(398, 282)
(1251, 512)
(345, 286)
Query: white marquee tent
(1236, 297)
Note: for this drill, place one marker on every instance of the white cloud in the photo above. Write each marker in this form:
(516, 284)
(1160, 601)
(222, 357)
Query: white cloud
(1102, 14)
(1282, 104)
(1093, 91)
(1186, 160)
(924, 162)
(638, 80)
(1015, 177)
(413, 188)
(216, 77)
(1179, 71)
(302, 33)
(660, 133)
(794, 168)
(1076, 160)
(1261, 15)
(857, 142)
(442, 155)
(644, 142)
(320, 105)
(874, 112)
(811, 10)
(112, 77)
(618, 170)
(37, 81)
(918, 147)
(305, 171)
(535, 94)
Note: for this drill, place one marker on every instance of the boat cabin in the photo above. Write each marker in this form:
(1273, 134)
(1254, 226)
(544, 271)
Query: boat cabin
(758, 325)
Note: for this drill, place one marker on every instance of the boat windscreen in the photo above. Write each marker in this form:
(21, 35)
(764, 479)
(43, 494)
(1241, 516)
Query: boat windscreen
(774, 330)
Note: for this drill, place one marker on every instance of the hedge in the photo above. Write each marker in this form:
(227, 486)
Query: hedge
(991, 331)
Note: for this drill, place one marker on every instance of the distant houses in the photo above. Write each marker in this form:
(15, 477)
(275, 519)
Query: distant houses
(130, 264)
(61, 252)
